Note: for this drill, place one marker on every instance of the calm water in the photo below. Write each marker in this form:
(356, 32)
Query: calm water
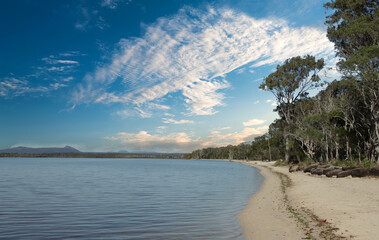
(123, 198)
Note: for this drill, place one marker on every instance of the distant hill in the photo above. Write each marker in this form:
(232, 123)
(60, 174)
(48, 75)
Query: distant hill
(122, 151)
(66, 149)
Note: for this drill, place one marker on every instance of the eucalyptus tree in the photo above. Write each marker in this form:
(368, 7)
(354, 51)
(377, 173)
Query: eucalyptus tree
(353, 26)
(290, 83)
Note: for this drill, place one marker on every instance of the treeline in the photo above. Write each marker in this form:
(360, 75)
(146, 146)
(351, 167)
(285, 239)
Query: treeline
(261, 148)
(97, 155)
(342, 121)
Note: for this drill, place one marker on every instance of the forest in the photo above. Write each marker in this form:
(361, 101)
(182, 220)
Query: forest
(341, 122)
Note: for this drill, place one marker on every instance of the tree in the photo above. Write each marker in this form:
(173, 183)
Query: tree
(353, 26)
(291, 83)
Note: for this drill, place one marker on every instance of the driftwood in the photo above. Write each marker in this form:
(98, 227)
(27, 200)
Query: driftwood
(331, 171)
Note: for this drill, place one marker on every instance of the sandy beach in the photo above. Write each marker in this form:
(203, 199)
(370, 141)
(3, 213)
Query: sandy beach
(300, 206)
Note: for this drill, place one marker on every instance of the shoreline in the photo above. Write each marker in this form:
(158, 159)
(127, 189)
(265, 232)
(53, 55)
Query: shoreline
(299, 205)
(265, 216)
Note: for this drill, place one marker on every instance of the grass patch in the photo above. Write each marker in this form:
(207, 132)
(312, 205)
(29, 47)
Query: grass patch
(351, 163)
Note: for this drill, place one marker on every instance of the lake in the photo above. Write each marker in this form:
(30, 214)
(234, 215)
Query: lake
(65, 198)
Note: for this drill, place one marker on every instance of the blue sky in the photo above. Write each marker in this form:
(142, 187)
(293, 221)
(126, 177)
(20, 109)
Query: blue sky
(145, 75)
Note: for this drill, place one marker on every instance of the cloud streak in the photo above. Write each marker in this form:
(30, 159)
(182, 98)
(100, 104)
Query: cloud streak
(191, 52)
(13, 87)
(182, 142)
(170, 120)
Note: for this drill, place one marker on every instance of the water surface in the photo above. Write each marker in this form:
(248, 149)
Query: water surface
(52, 198)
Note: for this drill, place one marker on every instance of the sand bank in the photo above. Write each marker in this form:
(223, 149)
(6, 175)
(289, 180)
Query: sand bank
(312, 206)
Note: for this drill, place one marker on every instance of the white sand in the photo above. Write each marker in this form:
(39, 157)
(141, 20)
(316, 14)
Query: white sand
(350, 204)
(265, 216)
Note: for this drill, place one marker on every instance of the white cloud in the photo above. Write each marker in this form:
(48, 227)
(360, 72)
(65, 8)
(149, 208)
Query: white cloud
(182, 142)
(68, 79)
(253, 122)
(144, 110)
(256, 102)
(142, 141)
(71, 54)
(58, 69)
(143, 114)
(218, 139)
(158, 106)
(170, 120)
(53, 60)
(225, 128)
(67, 61)
(191, 52)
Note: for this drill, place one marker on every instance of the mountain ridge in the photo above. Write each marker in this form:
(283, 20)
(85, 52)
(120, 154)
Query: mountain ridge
(22, 149)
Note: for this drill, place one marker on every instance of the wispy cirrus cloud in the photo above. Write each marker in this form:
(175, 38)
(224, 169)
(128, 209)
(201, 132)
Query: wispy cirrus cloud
(191, 52)
(13, 87)
(182, 121)
(145, 110)
(182, 142)
(54, 72)
(53, 60)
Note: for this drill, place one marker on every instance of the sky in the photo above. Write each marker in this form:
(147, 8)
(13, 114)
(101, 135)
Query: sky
(145, 75)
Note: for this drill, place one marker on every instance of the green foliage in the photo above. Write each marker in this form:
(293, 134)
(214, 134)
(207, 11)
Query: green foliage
(290, 84)
(291, 81)
(353, 163)
(353, 26)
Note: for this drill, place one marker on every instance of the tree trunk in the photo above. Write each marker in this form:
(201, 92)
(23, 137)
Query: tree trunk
(337, 152)
(327, 153)
(287, 153)
(269, 149)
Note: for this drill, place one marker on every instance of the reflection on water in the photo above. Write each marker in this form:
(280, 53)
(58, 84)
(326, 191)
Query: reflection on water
(123, 198)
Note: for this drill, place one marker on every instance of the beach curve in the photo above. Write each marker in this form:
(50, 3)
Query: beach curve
(312, 207)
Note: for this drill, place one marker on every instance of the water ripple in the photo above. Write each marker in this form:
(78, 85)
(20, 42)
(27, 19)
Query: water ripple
(123, 198)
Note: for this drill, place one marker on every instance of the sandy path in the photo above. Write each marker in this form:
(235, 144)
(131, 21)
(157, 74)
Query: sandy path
(349, 204)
